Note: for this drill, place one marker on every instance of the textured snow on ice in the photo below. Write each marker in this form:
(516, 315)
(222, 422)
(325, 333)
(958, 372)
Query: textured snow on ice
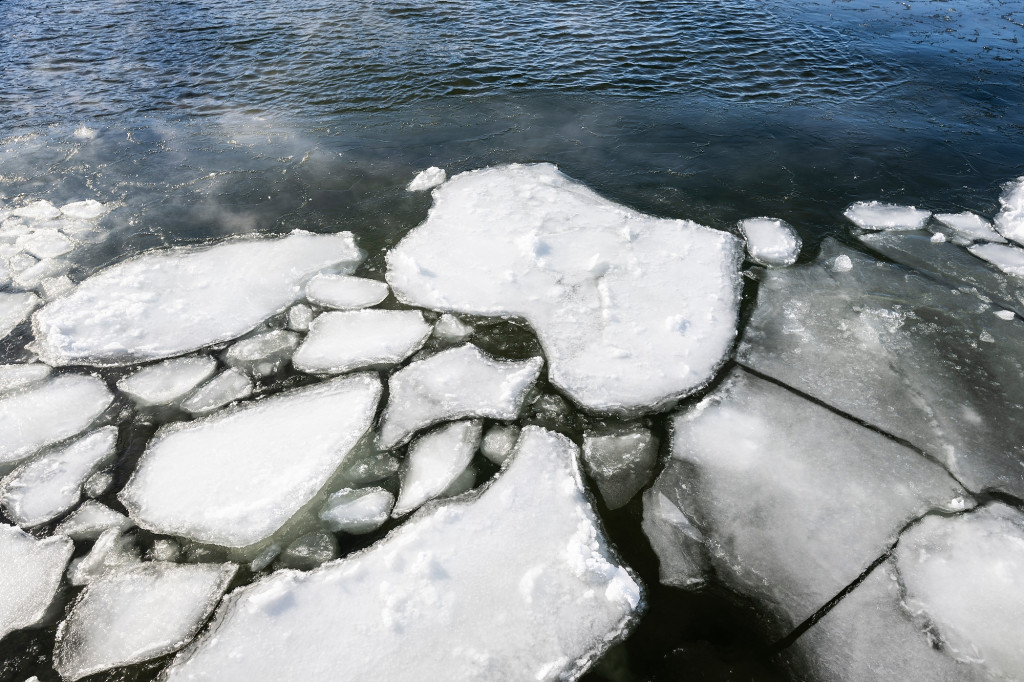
(47, 486)
(632, 311)
(969, 226)
(357, 511)
(235, 477)
(875, 215)
(347, 340)
(43, 413)
(15, 309)
(227, 387)
(136, 613)
(454, 384)
(345, 292)
(621, 461)
(1010, 219)
(1009, 259)
(172, 301)
(16, 376)
(427, 179)
(770, 241)
(434, 461)
(167, 382)
(90, 520)
(515, 583)
(30, 574)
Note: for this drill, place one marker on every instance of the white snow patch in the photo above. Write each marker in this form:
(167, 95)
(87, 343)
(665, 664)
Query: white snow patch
(875, 215)
(770, 241)
(434, 461)
(168, 381)
(1010, 219)
(427, 179)
(30, 574)
(343, 341)
(344, 292)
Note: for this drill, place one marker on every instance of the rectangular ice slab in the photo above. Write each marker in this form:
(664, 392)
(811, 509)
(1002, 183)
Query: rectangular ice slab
(516, 583)
(173, 301)
(923, 362)
(875, 215)
(633, 311)
(30, 573)
(235, 477)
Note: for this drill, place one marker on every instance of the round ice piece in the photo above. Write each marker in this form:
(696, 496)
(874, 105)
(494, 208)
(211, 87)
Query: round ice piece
(344, 292)
(771, 241)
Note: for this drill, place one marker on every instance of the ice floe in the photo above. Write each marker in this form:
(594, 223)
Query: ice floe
(520, 575)
(347, 340)
(235, 477)
(15, 309)
(113, 549)
(173, 301)
(434, 461)
(969, 227)
(451, 329)
(427, 179)
(498, 442)
(90, 520)
(89, 209)
(344, 292)
(1010, 219)
(1009, 259)
(30, 575)
(16, 376)
(357, 510)
(227, 387)
(136, 613)
(632, 311)
(875, 215)
(454, 384)
(770, 241)
(167, 382)
(621, 461)
(262, 355)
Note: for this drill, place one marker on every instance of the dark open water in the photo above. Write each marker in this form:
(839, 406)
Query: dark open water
(207, 118)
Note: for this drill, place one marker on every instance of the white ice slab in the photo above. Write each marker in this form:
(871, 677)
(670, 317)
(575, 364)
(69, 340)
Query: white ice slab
(310, 550)
(227, 387)
(632, 311)
(46, 243)
(969, 226)
(168, 381)
(136, 613)
(875, 215)
(33, 277)
(770, 241)
(344, 292)
(263, 354)
(47, 486)
(16, 376)
(1010, 219)
(515, 583)
(90, 520)
(454, 384)
(344, 341)
(172, 301)
(427, 179)
(237, 476)
(357, 510)
(434, 461)
(1009, 259)
(43, 413)
(15, 309)
(30, 574)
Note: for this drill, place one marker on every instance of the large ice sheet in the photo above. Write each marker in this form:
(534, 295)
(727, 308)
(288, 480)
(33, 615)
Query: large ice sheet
(30, 573)
(47, 486)
(434, 461)
(44, 413)
(167, 382)
(235, 477)
(632, 311)
(343, 341)
(135, 613)
(173, 301)
(453, 384)
(515, 583)
(793, 501)
(15, 309)
(1010, 219)
(923, 362)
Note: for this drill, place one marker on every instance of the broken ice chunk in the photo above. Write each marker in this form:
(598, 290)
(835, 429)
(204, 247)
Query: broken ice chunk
(456, 383)
(46, 244)
(633, 311)
(164, 550)
(55, 287)
(464, 482)
(16, 376)
(357, 511)
(310, 550)
(1009, 259)
(344, 341)
(172, 301)
(136, 613)
(451, 329)
(770, 241)
(299, 317)
(90, 209)
(683, 559)
(345, 292)
(98, 484)
(37, 210)
(33, 277)
(793, 501)
(15, 309)
(1010, 219)
(435, 460)
(235, 477)
(43, 413)
(167, 382)
(113, 549)
(49, 485)
(90, 520)
(30, 574)
(621, 460)
(498, 442)
(227, 387)
(427, 179)
(969, 227)
(263, 354)
(537, 593)
(875, 215)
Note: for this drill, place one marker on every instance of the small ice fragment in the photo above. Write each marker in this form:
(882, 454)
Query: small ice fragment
(90, 209)
(310, 550)
(842, 263)
(135, 613)
(969, 226)
(167, 382)
(454, 384)
(45, 487)
(344, 292)
(46, 244)
(16, 376)
(49, 411)
(55, 287)
(621, 461)
(263, 354)
(1010, 219)
(85, 133)
(299, 317)
(770, 241)
(554, 413)
(37, 210)
(357, 510)
(48, 268)
(98, 484)
(15, 309)
(344, 341)
(371, 468)
(498, 442)
(451, 329)
(1009, 259)
(20, 262)
(227, 387)
(874, 215)
(435, 460)
(112, 549)
(30, 574)
(683, 559)
(937, 238)
(1005, 314)
(264, 557)
(427, 179)
(164, 549)
(90, 520)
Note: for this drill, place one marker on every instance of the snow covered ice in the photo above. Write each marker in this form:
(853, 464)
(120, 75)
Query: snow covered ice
(633, 311)
(427, 179)
(167, 382)
(235, 477)
(30, 575)
(434, 461)
(347, 340)
(16, 376)
(344, 292)
(1010, 219)
(173, 301)
(770, 241)
(498, 442)
(1009, 259)
(135, 613)
(15, 309)
(875, 215)
(357, 511)
(454, 384)
(537, 593)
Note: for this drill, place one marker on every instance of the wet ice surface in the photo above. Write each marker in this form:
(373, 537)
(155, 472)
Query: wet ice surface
(1010, 219)
(30, 575)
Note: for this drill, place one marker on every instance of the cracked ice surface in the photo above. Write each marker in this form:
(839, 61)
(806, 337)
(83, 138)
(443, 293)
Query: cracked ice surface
(30, 574)
(15, 309)
(536, 593)
(235, 477)
(632, 311)
(173, 301)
